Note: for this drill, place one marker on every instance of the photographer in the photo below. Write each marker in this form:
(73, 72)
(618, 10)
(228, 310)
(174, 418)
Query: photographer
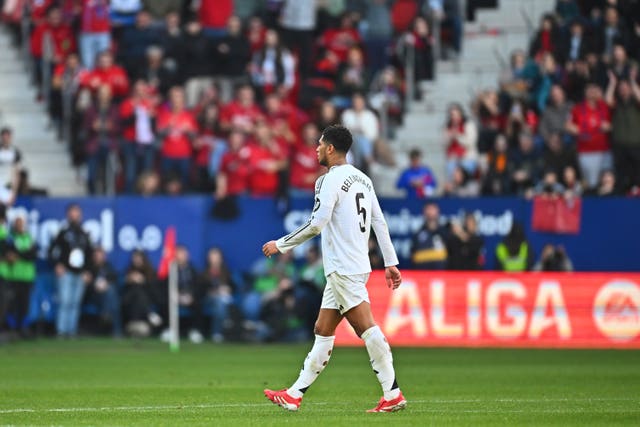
(549, 186)
(428, 249)
(553, 258)
(102, 291)
(282, 314)
(465, 246)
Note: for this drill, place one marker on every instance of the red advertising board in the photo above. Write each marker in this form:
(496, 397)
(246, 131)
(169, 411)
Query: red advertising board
(579, 310)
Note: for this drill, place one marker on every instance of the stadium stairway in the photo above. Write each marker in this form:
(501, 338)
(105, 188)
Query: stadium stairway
(487, 44)
(47, 160)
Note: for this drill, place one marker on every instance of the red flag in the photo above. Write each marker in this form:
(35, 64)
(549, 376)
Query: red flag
(168, 252)
(556, 215)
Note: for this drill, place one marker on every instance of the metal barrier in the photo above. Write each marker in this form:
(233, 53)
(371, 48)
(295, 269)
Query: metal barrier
(112, 168)
(528, 17)
(67, 93)
(409, 73)
(25, 32)
(437, 41)
(384, 117)
(45, 67)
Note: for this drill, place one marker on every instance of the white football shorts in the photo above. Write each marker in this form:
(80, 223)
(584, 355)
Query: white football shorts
(342, 293)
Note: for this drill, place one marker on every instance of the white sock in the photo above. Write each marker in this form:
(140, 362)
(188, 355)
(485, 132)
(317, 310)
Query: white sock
(381, 361)
(315, 362)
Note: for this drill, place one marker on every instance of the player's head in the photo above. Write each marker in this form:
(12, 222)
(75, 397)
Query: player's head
(335, 142)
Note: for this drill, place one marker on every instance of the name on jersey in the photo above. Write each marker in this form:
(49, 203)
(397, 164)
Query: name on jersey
(351, 179)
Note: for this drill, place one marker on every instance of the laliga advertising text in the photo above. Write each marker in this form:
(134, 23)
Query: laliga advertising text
(498, 309)
(503, 316)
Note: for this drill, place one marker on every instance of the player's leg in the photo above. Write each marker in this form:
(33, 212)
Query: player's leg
(361, 319)
(317, 359)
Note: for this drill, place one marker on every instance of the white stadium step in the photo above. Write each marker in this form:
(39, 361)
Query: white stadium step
(47, 160)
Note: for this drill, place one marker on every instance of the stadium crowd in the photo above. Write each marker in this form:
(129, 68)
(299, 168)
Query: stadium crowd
(565, 118)
(178, 96)
(220, 95)
(184, 96)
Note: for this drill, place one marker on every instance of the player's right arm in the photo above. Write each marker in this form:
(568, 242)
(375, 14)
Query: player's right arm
(325, 200)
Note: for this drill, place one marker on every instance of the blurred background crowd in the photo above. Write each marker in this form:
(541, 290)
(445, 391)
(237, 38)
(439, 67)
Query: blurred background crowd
(189, 96)
(228, 98)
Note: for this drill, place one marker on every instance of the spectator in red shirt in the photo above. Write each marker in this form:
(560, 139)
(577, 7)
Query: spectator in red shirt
(60, 36)
(51, 41)
(461, 138)
(402, 13)
(107, 73)
(304, 163)
(95, 30)
(101, 127)
(177, 127)
(233, 179)
(321, 84)
(547, 39)
(213, 15)
(138, 116)
(242, 113)
(256, 33)
(590, 123)
(39, 10)
(285, 120)
(340, 40)
(267, 161)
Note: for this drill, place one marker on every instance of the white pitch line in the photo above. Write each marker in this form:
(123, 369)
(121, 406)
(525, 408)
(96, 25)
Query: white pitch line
(532, 400)
(132, 408)
(248, 405)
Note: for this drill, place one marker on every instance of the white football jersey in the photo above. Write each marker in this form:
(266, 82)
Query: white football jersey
(345, 209)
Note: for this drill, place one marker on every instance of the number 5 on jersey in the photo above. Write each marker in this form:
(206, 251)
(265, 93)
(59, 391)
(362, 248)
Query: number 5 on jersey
(361, 211)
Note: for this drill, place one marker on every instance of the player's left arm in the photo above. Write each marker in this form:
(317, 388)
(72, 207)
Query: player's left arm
(379, 225)
(325, 200)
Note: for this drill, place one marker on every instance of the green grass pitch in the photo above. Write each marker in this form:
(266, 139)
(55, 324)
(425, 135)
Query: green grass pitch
(125, 383)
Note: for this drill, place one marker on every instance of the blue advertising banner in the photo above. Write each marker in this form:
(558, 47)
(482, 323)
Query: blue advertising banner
(609, 239)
